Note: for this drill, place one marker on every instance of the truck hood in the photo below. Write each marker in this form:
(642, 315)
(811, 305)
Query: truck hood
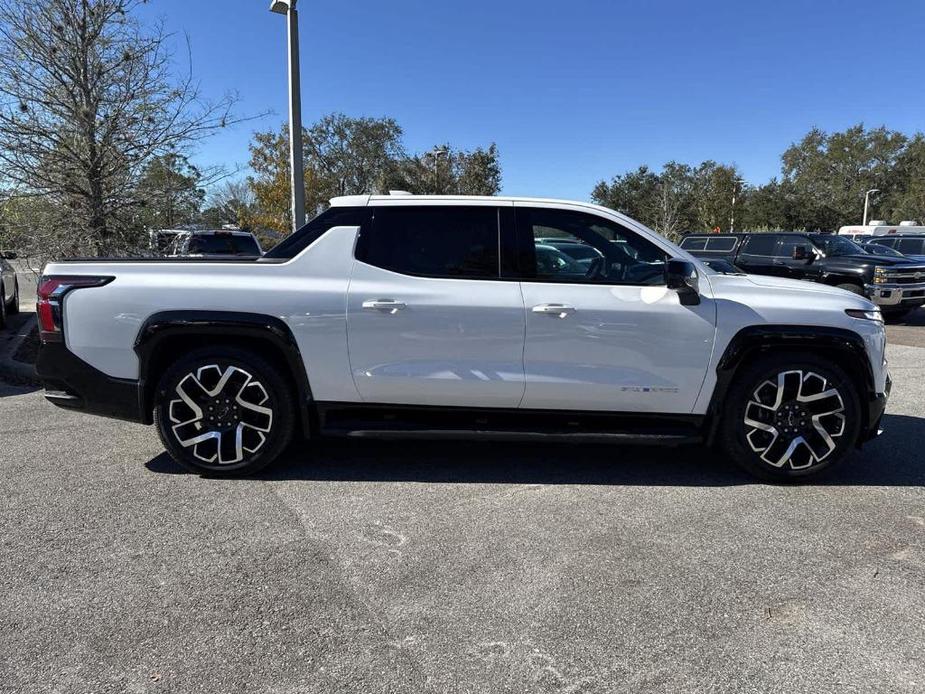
(787, 290)
(883, 260)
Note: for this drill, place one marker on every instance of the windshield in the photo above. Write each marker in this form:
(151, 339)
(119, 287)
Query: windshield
(877, 249)
(221, 244)
(839, 245)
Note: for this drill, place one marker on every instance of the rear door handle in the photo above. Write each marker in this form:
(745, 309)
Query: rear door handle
(558, 310)
(384, 305)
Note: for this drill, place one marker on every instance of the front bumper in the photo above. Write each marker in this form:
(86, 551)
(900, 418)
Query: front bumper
(73, 384)
(892, 294)
(875, 409)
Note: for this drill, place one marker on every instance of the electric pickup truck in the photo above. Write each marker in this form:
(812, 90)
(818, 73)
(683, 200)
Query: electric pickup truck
(414, 317)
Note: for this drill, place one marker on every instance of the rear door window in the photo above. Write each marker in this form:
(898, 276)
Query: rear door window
(761, 244)
(426, 241)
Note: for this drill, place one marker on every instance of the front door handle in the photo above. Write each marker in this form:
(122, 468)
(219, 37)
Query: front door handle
(385, 305)
(558, 310)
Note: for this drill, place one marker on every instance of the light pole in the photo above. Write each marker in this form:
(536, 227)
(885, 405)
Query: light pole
(867, 202)
(436, 153)
(296, 165)
(732, 217)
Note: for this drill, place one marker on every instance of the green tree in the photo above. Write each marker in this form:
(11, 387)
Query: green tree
(830, 173)
(169, 193)
(633, 194)
(448, 171)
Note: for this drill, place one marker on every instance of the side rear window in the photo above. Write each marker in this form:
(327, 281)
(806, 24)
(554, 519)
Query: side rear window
(292, 245)
(723, 244)
(910, 246)
(426, 241)
(760, 244)
(693, 243)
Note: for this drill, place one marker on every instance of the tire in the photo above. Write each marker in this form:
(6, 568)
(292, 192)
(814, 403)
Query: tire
(14, 302)
(853, 288)
(249, 398)
(777, 427)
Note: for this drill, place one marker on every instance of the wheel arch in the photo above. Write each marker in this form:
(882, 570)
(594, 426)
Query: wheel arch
(167, 335)
(845, 348)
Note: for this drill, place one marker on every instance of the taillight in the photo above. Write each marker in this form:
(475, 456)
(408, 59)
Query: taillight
(50, 299)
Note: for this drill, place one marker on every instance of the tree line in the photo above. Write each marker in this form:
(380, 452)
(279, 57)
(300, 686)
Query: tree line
(99, 120)
(824, 178)
(99, 123)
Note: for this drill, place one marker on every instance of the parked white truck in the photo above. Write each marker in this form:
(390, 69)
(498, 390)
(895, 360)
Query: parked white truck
(435, 317)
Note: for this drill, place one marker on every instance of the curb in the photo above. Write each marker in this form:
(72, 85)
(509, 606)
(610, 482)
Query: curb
(13, 370)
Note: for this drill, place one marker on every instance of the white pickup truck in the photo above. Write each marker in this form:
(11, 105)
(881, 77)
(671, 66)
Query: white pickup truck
(425, 317)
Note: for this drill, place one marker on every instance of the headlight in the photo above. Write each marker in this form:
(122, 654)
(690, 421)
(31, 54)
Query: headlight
(873, 314)
(879, 275)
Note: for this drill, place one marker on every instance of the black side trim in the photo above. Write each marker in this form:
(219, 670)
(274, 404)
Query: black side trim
(761, 339)
(419, 422)
(167, 325)
(74, 384)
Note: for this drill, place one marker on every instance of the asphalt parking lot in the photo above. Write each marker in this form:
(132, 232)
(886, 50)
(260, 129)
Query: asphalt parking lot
(367, 567)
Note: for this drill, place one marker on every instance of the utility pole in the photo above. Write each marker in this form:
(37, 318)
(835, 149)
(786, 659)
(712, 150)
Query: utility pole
(296, 164)
(732, 217)
(867, 202)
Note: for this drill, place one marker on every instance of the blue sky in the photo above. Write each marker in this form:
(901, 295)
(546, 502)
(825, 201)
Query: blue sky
(572, 92)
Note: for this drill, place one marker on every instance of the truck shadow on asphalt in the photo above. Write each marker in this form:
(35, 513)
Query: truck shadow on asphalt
(892, 460)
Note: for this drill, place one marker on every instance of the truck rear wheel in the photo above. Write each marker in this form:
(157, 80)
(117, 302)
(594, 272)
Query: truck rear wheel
(790, 418)
(224, 411)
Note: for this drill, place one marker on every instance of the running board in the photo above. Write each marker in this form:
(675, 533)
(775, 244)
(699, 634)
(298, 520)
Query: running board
(493, 435)
(398, 422)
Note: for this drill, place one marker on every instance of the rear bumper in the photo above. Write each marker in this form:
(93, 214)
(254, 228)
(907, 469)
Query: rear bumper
(896, 295)
(73, 384)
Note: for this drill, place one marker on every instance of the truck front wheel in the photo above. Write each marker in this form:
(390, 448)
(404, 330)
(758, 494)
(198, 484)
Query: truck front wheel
(223, 411)
(789, 418)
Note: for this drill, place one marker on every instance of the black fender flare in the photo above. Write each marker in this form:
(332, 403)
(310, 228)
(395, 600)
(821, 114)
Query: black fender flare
(166, 325)
(762, 339)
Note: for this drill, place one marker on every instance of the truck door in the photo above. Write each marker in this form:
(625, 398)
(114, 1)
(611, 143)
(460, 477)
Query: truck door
(429, 319)
(758, 255)
(612, 336)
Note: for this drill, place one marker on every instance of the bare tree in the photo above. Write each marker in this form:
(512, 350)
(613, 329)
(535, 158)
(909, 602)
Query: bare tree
(88, 97)
(668, 207)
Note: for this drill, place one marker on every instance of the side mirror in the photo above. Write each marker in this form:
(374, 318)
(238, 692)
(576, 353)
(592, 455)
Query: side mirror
(682, 276)
(800, 253)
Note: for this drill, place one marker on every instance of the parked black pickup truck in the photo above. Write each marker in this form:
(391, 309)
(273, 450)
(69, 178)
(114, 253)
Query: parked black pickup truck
(897, 285)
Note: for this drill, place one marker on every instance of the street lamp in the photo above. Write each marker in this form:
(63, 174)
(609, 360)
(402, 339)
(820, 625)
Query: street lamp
(732, 217)
(436, 153)
(296, 165)
(867, 202)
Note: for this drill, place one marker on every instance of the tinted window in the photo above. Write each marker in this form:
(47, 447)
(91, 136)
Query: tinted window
(761, 244)
(722, 243)
(222, 244)
(693, 243)
(622, 257)
(911, 246)
(434, 241)
(789, 243)
(885, 242)
(292, 245)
